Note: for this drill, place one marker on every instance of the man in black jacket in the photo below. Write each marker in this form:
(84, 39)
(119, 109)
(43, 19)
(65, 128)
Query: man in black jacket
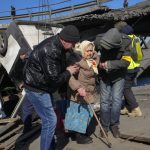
(115, 59)
(45, 72)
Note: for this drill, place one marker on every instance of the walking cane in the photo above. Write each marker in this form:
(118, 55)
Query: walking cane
(101, 128)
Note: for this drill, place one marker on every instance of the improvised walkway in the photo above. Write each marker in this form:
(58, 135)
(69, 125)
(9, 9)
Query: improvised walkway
(135, 132)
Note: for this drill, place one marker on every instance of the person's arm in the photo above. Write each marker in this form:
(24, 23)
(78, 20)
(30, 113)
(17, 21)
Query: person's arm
(51, 67)
(118, 64)
(75, 85)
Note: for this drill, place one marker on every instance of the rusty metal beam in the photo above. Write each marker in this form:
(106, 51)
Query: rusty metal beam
(136, 138)
(51, 12)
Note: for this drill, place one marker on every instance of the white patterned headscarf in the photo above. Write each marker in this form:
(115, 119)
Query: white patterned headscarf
(81, 47)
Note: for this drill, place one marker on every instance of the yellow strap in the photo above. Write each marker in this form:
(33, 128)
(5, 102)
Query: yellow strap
(127, 58)
(132, 37)
(137, 47)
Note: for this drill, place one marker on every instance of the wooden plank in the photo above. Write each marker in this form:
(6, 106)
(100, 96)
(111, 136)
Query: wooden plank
(8, 124)
(136, 138)
(10, 134)
(9, 143)
(6, 128)
(11, 146)
(8, 120)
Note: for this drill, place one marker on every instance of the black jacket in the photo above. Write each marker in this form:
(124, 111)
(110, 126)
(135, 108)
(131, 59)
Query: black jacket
(117, 67)
(46, 66)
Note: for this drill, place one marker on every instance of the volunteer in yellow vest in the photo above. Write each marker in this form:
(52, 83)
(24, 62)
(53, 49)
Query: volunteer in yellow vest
(131, 107)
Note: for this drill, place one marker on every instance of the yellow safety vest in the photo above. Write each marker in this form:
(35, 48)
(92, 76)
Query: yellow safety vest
(133, 64)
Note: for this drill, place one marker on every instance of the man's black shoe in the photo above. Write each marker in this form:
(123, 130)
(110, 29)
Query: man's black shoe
(115, 131)
(71, 135)
(82, 139)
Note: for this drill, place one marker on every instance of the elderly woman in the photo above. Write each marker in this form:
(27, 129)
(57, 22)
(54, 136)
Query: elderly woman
(82, 88)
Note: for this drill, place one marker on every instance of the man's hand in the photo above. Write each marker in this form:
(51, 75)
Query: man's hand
(82, 92)
(21, 86)
(73, 69)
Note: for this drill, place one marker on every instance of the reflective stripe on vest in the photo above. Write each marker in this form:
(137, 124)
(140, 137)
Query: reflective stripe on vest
(133, 64)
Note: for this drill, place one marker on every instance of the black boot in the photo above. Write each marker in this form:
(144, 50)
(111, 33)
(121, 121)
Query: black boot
(82, 139)
(71, 135)
(27, 124)
(115, 131)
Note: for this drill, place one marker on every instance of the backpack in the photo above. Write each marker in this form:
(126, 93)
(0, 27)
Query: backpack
(135, 47)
